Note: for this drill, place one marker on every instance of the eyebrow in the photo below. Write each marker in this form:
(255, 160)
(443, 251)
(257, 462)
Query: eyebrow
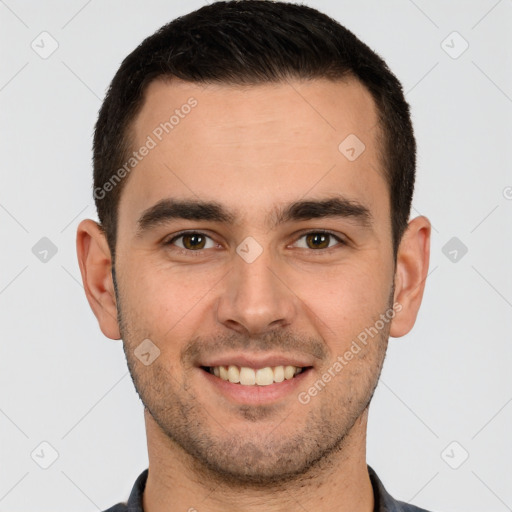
(211, 211)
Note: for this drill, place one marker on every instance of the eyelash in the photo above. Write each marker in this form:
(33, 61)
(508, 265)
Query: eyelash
(199, 252)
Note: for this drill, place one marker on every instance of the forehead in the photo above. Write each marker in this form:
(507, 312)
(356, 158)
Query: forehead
(252, 147)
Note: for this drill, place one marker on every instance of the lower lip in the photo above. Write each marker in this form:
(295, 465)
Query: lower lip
(255, 394)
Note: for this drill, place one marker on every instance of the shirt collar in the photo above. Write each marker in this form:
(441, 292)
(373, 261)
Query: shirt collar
(383, 500)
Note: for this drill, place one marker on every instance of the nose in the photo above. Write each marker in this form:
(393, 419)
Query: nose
(255, 298)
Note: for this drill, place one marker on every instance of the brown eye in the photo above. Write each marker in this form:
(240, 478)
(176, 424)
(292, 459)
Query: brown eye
(194, 241)
(318, 240)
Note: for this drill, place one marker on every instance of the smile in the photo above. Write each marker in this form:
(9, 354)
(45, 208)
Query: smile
(247, 376)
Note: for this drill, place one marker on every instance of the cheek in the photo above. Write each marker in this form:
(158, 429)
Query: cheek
(345, 301)
(168, 300)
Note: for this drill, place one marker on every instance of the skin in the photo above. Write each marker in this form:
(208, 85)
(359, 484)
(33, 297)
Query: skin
(253, 149)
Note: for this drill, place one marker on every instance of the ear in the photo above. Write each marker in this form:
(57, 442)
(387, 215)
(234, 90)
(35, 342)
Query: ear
(411, 272)
(96, 268)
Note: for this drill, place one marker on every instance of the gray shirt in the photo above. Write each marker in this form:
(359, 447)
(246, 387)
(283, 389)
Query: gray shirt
(383, 501)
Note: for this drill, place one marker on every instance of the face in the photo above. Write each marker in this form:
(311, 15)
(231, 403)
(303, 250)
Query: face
(247, 238)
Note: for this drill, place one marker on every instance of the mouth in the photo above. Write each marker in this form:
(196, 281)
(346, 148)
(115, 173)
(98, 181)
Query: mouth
(247, 376)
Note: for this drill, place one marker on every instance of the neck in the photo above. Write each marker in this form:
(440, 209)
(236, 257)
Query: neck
(339, 482)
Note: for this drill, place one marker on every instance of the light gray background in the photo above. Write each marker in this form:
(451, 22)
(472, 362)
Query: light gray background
(64, 383)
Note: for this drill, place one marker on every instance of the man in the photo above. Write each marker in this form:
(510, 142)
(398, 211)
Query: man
(254, 166)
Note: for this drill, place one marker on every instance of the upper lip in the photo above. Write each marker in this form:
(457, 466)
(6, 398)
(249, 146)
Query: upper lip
(257, 361)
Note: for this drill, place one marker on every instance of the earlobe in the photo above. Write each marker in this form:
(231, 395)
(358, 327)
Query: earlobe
(411, 273)
(95, 263)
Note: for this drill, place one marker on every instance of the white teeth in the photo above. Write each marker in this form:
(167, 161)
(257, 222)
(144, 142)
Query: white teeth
(289, 372)
(247, 376)
(233, 374)
(223, 372)
(278, 374)
(264, 376)
(261, 377)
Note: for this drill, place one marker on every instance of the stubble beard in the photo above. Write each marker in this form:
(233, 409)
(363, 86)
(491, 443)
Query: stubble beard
(265, 460)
